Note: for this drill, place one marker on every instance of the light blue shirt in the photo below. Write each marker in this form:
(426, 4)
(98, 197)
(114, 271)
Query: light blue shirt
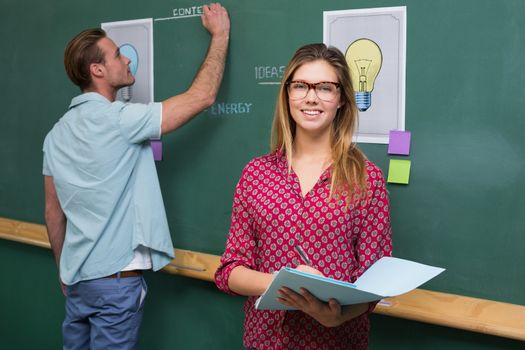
(106, 181)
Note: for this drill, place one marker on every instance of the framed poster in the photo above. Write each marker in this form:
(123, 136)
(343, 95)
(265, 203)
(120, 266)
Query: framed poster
(374, 44)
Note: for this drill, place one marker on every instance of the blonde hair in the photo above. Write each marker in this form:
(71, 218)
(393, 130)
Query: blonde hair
(348, 167)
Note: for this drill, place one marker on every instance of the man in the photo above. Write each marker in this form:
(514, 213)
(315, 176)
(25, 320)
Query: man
(104, 212)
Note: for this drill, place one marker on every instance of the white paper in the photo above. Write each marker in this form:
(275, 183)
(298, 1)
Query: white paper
(391, 276)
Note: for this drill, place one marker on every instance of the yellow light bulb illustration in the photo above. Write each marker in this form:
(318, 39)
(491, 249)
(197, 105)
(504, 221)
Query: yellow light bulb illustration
(364, 58)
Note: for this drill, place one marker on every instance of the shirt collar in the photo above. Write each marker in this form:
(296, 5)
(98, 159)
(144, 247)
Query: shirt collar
(86, 97)
(282, 162)
(326, 175)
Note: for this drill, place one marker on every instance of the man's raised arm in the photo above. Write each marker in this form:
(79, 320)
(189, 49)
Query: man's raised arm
(177, 110)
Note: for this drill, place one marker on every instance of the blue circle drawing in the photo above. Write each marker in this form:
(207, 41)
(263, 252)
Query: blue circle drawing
(130, 52)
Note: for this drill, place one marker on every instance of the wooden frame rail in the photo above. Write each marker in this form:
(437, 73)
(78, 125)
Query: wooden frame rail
(471, 314)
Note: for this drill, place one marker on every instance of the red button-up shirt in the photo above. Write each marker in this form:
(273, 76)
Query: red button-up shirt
(270, 216)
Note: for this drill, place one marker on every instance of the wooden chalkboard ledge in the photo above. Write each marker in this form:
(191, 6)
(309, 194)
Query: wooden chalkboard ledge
(471, 314)
(186, 263)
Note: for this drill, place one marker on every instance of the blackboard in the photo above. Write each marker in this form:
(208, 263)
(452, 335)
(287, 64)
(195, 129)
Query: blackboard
(460, 210)
(463, 209)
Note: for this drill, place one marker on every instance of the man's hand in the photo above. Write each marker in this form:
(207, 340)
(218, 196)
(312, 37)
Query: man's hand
(63, 288)
(215, 19)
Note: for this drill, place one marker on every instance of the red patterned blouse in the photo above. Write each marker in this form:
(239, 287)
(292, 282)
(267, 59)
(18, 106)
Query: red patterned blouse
(270, 216)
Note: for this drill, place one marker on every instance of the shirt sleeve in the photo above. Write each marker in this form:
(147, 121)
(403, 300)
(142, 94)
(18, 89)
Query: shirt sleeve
(240, 244)
(374, 240)
(139, 122)
(45, 166)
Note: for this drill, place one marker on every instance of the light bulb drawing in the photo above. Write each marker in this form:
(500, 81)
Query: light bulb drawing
(130, 52)
(364, 58)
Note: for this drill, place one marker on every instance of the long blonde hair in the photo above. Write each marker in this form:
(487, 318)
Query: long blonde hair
(348, 167)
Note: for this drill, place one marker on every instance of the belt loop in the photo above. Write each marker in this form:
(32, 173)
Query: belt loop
(118, 277)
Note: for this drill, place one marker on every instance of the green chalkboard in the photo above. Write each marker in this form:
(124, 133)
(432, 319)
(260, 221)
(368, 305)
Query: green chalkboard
(462, 210)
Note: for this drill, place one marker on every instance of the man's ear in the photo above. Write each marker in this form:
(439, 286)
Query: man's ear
(96, 69)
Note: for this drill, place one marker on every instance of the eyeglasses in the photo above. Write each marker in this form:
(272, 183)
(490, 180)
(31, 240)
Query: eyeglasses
(325, 90)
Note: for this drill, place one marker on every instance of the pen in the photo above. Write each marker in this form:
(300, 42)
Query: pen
(303, 255)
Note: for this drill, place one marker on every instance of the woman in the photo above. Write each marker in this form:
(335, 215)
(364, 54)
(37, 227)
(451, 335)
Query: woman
(317, 194)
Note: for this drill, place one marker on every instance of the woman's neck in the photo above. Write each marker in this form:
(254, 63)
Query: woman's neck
(310, 158)
(314, 148)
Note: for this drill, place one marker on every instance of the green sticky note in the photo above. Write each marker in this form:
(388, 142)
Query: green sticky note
(399, 171)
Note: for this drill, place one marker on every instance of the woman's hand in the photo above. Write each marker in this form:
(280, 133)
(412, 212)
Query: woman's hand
(328, 314)
(309, 269)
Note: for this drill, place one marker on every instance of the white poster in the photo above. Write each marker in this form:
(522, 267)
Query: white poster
(135, 41)
(374, 44)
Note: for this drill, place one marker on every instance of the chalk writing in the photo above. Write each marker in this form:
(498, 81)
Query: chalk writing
(187, 11)
(274, 73)
(229, 108)
(183, 12)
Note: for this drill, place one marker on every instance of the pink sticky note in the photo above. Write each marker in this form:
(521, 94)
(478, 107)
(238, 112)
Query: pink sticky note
(399, 142)
(156, 146)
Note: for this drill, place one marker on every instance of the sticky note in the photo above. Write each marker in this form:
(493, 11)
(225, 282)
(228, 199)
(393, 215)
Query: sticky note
(399, 142)
(156, 146)
(399, 171)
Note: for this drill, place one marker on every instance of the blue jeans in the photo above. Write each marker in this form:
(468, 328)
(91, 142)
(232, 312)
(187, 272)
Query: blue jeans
(104, 313)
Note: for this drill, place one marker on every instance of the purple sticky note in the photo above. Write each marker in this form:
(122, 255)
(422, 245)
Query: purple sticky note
(399, 142)
(156, 146)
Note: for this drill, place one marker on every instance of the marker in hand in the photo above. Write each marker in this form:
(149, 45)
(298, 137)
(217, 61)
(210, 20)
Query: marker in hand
(303, 255)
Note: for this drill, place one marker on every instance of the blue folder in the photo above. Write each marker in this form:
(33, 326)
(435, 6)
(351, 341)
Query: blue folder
(388, 277)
